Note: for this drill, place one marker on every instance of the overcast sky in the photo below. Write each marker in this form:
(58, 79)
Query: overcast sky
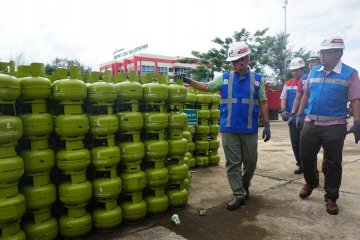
(91, 30)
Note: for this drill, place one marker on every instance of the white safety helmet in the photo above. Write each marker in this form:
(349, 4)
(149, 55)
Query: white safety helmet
(237, 50)
(332, 42)
(315, 54)
(297, 63)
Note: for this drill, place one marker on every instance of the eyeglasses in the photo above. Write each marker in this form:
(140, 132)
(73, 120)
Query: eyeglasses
(297, 70)
(327, 52)
(239, 60)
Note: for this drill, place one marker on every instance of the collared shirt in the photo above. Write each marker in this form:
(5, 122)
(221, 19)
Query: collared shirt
(215, 85)
(353, 93)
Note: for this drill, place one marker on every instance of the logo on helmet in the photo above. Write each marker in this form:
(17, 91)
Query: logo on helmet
(231, 54)
(337, 41)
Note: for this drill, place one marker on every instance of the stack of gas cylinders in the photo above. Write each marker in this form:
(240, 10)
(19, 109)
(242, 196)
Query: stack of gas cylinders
(79, 152)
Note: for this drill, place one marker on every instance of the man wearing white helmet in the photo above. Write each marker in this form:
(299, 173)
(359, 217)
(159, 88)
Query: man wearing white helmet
(243, 96)
(313, 60)
(327, 91)
(297, 66)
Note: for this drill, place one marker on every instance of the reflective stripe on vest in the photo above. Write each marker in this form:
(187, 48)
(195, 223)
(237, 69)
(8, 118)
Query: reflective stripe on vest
(328, 95)
(251, 101)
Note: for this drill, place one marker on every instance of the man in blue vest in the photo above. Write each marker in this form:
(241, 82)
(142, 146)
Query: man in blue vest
(288, 94)
(243, 96)
(326, 93)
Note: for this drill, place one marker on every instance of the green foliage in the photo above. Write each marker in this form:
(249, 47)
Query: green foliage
(65, 63)
(269, 55)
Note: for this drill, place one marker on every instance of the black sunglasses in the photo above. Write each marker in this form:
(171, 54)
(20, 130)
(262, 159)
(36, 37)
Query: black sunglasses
(239, 60)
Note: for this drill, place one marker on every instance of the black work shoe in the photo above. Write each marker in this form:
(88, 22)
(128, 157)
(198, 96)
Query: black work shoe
(299, 170)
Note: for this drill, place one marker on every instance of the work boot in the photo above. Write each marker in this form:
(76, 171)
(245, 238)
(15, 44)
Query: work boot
(235, 203)
(299, 170)
(331, 207)
(306, 191)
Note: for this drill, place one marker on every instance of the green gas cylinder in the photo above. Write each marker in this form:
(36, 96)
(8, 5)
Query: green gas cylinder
(157, 202)
(36, 161)
(69, 91)
(214, 114)
(101, 93)
(11, 169)
(73, 194)
(12, 231)
(155, 92)
(39, 197)
(133, 182)
(178, 147)
(201, 146)
(156, 149)
(215, 99)
(73, 160)
(130, 121)
(106, 187)
(191, 146)
(214, 144)
(203, 98)
(203, 114)
(127, 91)
(177, 120)
(131, 151)
(103, 125)
(36, 86)
(37, 125)
(202, 161)
(187, 135)
(44, 227)
(155, 121)
(12, 208)
(177, 93)
(11, 130)
(134, 210)
(76, 224)
(190, 98)
(157, 177)
(177, 172)
(214, 159)
(9, 89)
(104, 156)
(214, 129)
(108, 217)
(202, 129)
(177, 198)
(191, 129)
(67, 126)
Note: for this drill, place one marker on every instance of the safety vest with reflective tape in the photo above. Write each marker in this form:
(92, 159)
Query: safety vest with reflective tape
(328, 95)
(239, 109)
(291, 88)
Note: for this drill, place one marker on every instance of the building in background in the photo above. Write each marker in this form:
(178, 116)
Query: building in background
(144, 63)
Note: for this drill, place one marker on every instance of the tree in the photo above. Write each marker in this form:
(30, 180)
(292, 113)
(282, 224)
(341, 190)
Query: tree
(268, 54)
(65, 63)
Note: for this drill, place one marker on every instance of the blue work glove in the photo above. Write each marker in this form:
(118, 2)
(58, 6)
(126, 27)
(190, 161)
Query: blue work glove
(292, 119)
(299, 121)
(285, 115)
(355, 129)
(266, 132)
(186, 78)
